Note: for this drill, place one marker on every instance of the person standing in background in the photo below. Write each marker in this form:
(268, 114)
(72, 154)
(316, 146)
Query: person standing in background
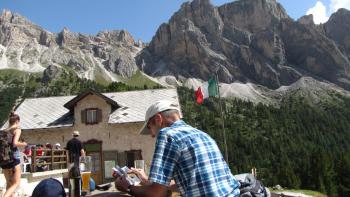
(75, 147)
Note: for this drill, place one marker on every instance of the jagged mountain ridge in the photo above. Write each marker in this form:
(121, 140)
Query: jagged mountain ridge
(249, 41)
(26, 46)
(253, 42)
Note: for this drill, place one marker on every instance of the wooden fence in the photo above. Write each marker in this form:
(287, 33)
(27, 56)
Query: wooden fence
(50, 159)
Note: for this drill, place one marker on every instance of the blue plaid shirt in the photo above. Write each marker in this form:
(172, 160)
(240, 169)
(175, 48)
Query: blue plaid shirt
(193, 159)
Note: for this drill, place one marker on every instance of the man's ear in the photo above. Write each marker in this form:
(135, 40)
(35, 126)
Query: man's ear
(157, 119)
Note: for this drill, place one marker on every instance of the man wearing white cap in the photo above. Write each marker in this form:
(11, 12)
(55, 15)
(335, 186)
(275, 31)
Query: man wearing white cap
(75, 147)
(183, 153)
(57, 146)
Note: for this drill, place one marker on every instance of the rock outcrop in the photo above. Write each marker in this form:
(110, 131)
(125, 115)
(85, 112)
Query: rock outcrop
(337, 28)
(248, 41)
(26, 46)
(50, 73)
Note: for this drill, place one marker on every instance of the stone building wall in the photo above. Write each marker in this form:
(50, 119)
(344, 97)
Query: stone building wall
(115, 137)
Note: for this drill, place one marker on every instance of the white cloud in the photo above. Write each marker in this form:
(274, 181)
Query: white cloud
(336, 4)
(319, 12)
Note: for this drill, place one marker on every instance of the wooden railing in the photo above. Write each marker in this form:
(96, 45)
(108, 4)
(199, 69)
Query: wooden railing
(52, 159)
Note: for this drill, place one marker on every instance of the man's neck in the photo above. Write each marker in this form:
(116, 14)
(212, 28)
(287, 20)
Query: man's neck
(171, 120)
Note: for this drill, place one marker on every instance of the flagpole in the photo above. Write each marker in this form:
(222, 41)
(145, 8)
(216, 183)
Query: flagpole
(222, 114)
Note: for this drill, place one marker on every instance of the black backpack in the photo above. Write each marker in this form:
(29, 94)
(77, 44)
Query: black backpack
(6, 148)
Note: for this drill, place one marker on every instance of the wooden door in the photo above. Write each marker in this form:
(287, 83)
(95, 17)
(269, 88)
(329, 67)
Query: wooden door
(93, 148)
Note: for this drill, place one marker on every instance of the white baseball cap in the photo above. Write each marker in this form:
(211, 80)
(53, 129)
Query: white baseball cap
(75, 133)
(155, 108)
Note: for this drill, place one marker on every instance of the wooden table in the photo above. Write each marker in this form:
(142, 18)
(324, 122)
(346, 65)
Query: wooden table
(112, 192)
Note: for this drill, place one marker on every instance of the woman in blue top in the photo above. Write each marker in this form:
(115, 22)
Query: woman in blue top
(12, 171)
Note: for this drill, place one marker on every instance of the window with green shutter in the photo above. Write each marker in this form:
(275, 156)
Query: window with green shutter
(83, 116)
(92, 116)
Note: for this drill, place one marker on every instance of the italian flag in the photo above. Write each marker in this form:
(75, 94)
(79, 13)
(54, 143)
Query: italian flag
(207, 90)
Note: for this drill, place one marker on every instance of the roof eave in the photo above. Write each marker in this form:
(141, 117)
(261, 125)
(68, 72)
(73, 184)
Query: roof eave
(70, 104)
(46, 128)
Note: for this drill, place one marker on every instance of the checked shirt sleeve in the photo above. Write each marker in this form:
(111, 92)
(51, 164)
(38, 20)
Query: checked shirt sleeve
(164, 161)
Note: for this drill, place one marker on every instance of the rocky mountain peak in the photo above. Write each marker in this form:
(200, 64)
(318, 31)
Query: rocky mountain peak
(8, 17)
(342, 12)
(338, 29)
(116, 36)
(197, 4)
(28, 47)
(65, 30)
(201, 13)
(66, 37)
(307, 20)
(247, 41)
(201, 38)
(252, 15)
(17, 29)
(342, 16)
(125, 37)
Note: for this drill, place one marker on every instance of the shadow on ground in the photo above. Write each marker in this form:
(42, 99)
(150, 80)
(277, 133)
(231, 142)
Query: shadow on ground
(110, 194)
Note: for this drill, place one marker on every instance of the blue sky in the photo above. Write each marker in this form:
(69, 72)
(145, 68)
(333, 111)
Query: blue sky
(140, 17)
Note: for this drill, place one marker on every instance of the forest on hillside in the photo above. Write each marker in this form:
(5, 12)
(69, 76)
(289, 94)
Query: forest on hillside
(298, 145)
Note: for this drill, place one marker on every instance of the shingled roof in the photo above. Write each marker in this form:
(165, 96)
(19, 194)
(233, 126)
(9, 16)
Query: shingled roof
(50, 112)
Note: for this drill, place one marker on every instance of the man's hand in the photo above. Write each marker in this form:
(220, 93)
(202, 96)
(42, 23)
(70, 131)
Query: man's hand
(141, 174)
(122, 184)
(115, 174)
